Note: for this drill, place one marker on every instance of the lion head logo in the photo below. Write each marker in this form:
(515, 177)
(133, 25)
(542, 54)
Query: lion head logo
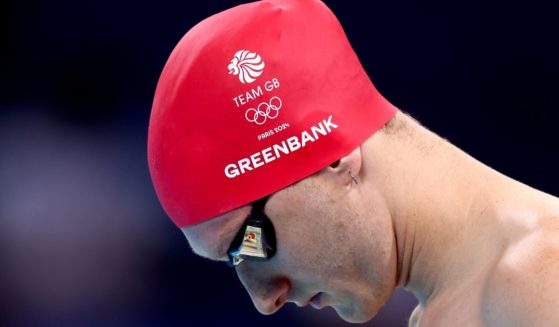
(247, 65)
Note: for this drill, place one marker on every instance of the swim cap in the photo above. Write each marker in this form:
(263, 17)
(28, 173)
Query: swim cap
(252, 100)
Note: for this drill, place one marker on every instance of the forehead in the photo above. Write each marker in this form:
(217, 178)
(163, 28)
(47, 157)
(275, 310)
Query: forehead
(212, 238)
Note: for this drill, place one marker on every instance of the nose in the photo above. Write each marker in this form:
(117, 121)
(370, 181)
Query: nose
(268, 294)
(270, 299)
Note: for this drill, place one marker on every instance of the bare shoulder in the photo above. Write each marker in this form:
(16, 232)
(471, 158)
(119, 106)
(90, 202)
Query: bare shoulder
(523, 289)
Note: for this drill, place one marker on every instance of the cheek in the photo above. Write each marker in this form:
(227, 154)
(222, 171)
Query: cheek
(334, 243)
(327, 233)
(317, 240)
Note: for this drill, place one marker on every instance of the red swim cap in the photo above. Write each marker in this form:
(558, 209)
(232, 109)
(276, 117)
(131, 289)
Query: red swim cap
(252, 100)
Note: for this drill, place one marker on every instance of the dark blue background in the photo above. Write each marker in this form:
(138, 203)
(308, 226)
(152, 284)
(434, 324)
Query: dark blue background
(83, 240)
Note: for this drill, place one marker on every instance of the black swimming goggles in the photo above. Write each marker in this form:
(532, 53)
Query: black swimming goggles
(256, 240)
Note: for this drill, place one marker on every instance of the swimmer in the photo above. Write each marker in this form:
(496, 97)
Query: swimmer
(350, 202)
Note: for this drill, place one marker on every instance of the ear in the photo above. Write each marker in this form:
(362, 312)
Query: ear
(346, 167)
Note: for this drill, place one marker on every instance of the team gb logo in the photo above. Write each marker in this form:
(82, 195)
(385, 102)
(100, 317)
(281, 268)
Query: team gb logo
(247, 65)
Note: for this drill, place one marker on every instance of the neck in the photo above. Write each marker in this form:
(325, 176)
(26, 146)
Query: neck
(444, 206)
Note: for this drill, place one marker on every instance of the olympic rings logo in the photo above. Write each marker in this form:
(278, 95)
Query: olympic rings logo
(264, 111)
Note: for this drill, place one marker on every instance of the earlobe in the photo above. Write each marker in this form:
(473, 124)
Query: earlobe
(353, 178)
(348, 167)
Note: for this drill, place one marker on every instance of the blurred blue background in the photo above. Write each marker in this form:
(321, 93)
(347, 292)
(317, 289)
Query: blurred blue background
(83, 239)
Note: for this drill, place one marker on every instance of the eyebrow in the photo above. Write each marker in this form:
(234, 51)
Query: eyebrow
(210, 257)
(223, 247)
(222, 252)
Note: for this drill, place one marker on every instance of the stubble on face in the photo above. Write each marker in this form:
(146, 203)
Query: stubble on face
(331, 240)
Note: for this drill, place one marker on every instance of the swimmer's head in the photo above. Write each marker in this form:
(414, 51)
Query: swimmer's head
(252, 100)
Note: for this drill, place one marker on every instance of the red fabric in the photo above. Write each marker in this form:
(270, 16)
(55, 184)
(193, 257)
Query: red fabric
(211, 111)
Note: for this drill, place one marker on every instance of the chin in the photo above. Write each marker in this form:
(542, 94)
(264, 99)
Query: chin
(355, 313)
